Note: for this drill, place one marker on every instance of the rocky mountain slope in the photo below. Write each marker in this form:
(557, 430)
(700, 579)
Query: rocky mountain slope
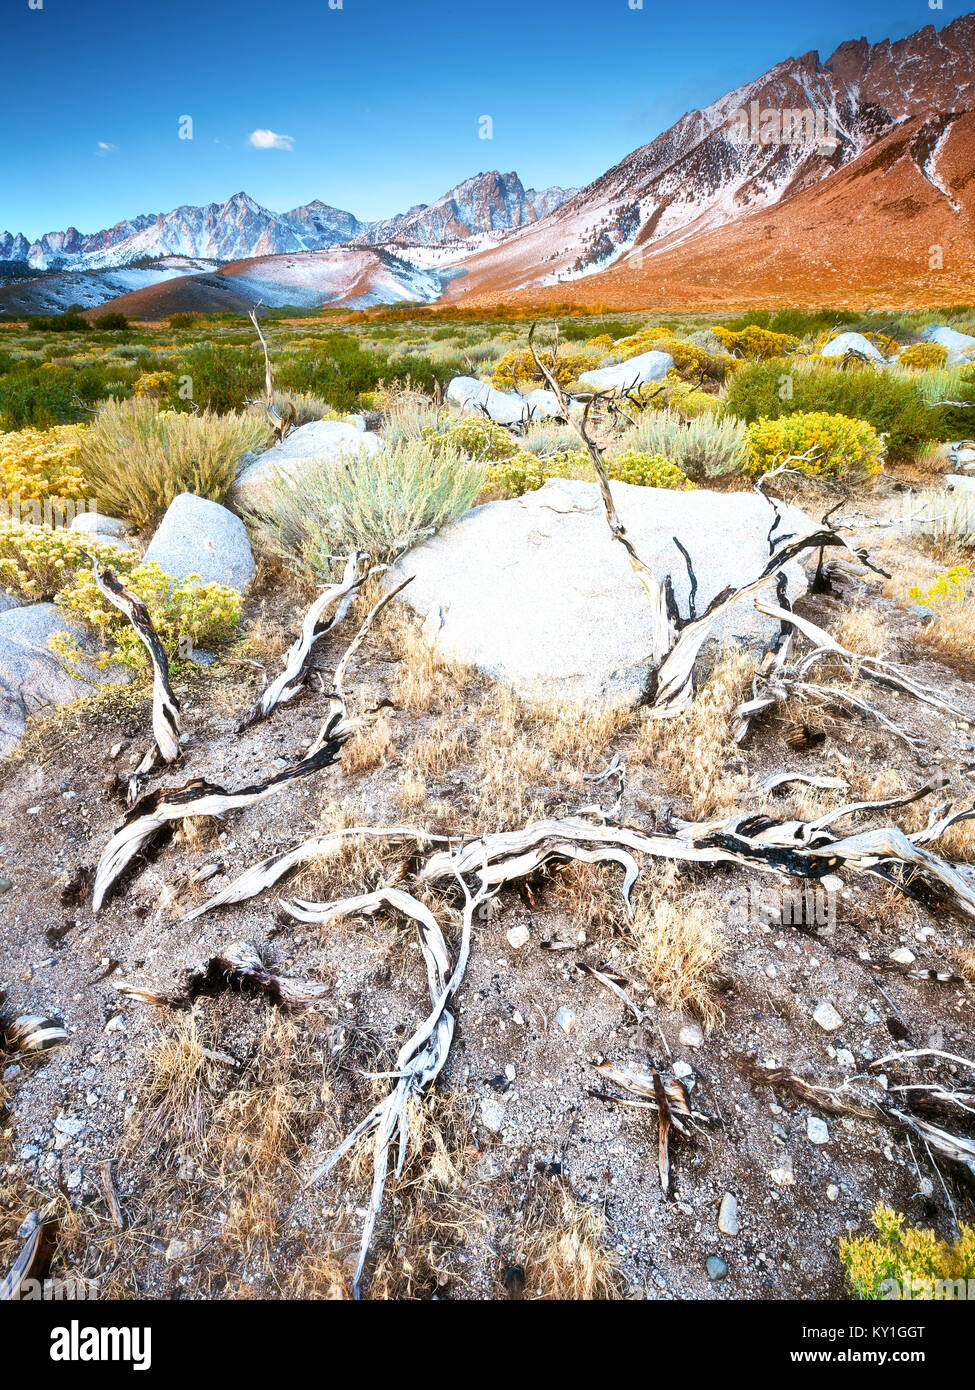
(886, 114)
(488, 202)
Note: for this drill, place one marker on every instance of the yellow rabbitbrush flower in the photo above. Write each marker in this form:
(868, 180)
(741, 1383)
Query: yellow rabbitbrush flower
(834, 445)
(526, 472)
(907, 1262)
(923, 355)
(949, 586)
(37, 561)
(186, 614)
(754, 342)
(42, 463)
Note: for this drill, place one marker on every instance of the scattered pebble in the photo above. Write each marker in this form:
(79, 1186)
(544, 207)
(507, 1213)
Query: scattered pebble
(903, 956)
(682, 1070)
(566, 1019)
(728, 1215)
(827, 1017)
(716, 1268)
(492, 1114)
(518, 936)
(5, 885)
(691, 1036)
(784, 1176)
(832, 1192)
(817, 1131)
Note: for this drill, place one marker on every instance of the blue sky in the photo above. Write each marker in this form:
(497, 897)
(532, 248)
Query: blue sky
(381, 99)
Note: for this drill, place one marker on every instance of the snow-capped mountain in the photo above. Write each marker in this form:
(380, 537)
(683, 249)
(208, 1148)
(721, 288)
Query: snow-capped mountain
(241, 227)
(488, 202)
(787, 134)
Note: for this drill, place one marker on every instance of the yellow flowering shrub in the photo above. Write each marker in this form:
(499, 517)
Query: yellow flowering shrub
(648, 470)
(42, 463)
(526, 472)
(474, 436)
(155, 384)
(186, 613)
(948, 587)
(689, 359)
(37, 561)
(923, 355)
(519, 369)
(905, 1254)
(754, 342)
(838, 445)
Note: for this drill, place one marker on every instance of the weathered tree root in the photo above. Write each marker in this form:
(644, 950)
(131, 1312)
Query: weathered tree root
(781, 676)
(292, 678)
(35, 1256)
(153, 813)
(239, 967)
(863, 1097)
(165, 706)
(421, 1057)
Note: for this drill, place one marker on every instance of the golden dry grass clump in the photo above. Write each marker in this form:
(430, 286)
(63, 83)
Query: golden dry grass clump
(564, 1249)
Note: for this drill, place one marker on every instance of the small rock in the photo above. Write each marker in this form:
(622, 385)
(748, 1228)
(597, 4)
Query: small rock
(67, 1124)
(566, 1019)
(832, 1192)
(73, 1180)
(716, 1268)
(827, 1017)
(682, 1070)
(492, 1114)
(175, 1250)
(509, 1071)
(518, 936)
(728, 1215)
(784, 1176)
(5, 885)
(845, 1059)
(691, 1036)
(115, 1025)
(903, 956)
(817, 1131)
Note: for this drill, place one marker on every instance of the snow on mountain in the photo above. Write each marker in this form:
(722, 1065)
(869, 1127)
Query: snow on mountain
(790, 130)
(240, 227)
(87, 289)
(487, 202)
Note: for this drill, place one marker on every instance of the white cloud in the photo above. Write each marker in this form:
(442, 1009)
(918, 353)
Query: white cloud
(270, 140)
(103, 148)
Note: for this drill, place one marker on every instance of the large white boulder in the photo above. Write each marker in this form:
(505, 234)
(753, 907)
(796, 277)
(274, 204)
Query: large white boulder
(852, 342)
(32, 678)
(635, 371)
(536, 593)
(320, 444)
(200, 537)
(961, 346)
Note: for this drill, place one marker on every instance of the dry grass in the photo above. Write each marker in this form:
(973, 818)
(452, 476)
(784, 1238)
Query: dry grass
(696, 752)
(564, 1250)
(677, 945)
(863, 631)
(371, 747)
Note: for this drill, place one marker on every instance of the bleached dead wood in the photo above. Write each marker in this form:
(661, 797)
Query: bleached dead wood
(165, 706)
(281, 425)
(421, 1057)
(788, 676)
(320, 847)
(291, 680)
(197, 798)
(239, 967)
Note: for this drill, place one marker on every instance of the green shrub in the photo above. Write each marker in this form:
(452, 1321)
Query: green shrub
(526, 472)
(754, 342)
(38, 561)
(384, 503)
(904, 1259)
(111, 323)
(647, 470)
(337, 369)
(889, 401)
(59, 323)
(707, 446)
(837, 445)
(135, 458)
(222, 377)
